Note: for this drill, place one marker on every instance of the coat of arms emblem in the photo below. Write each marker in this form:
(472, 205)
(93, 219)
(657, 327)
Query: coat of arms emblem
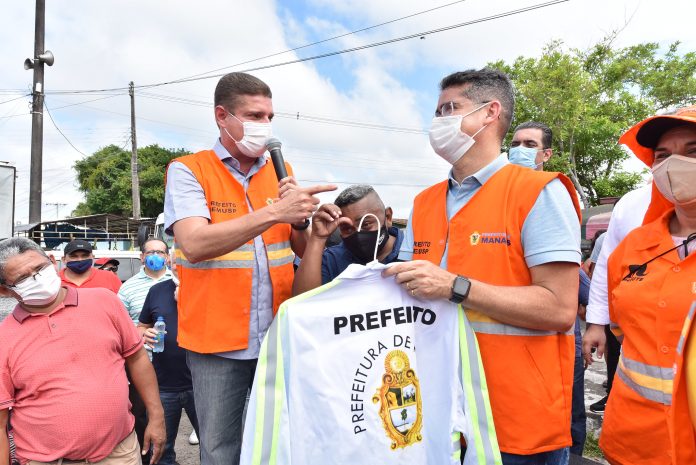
(475, 238)
(401, 408)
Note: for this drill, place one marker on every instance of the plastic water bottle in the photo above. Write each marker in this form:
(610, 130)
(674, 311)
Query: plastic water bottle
(159, 341)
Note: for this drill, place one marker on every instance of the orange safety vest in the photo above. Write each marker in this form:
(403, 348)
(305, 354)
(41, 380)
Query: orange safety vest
(215, 295)
(529, 372)
(649, 307)
(681, 425)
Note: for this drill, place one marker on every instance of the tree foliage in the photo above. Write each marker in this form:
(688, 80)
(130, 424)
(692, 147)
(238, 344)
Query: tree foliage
(105, 179)
(590, 97)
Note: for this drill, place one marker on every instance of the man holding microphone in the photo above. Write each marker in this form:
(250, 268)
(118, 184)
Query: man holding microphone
(236, 228)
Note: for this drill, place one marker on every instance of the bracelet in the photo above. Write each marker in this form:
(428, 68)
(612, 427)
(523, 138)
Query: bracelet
(304, 225)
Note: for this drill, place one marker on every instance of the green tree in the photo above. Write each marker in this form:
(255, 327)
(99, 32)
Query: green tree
(105, 179)
(590, 97)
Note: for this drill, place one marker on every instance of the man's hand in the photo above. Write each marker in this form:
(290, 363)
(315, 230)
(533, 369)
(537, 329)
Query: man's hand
(423, 279)
(326, 220)
(150, 337)
(155, 436)
(286, 185)
(594, 338)
(297, 204)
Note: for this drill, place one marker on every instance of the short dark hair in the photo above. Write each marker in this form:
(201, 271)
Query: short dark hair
(153, 239)
(485, 85)
(233, 85)
(353, 194)
(546, 133)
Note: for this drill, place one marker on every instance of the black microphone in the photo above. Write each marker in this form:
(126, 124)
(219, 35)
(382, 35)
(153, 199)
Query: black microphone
(273, 146)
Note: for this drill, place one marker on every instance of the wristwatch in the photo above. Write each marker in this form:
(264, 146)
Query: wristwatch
(301, 227)
(460, 289)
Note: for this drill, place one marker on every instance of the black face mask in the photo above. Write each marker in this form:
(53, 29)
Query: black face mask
(362, 244)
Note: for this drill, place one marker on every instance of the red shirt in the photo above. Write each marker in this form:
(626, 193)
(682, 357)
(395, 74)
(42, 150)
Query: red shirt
(97, 278)
(63, 375)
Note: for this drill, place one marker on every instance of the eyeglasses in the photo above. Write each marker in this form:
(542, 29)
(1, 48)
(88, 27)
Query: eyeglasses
(33, 276)
(156, 252)
(448, 108)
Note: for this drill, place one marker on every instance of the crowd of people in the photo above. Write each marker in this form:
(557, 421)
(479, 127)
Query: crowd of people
(500, 236)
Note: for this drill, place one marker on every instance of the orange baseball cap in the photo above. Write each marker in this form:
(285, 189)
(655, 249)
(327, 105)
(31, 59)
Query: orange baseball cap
(644, 136)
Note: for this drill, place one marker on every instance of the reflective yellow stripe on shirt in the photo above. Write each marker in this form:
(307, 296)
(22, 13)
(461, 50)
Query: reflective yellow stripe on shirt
(649, 381)
(243, 257)
(486, 325)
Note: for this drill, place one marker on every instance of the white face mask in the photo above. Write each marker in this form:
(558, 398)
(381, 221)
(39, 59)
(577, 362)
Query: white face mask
(41, 289)
(674, 178)
(253, 143)
(447, 138)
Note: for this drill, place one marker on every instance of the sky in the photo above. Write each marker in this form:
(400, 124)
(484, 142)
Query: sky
(105, 45)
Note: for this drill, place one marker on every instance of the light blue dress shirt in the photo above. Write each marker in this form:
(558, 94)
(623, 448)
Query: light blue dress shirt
(184, 198)
(551, 232)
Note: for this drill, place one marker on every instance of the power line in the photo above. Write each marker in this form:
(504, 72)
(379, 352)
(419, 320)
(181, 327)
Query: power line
(12, 100)
(325, 40)
(48, 111)
(330, 54)
(88, 101)
(296, 115)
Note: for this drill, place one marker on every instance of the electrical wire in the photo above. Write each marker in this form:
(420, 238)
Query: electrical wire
(12, 100)
(296, 115)
(325, 40)
(48, 112)
(329, 54)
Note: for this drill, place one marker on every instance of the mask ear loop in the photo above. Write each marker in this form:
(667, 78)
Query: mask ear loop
(379, 229)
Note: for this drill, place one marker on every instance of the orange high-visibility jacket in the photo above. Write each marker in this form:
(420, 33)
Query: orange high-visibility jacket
(215, 295)
(529, 372)
(649, 307)
(682, 424)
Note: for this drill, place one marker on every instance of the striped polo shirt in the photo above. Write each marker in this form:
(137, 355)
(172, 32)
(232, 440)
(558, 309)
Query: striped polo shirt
(134, 291)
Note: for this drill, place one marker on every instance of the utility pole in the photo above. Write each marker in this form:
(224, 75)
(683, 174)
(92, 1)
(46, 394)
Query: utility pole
(57, 205)
(40, 57)
(135, 181)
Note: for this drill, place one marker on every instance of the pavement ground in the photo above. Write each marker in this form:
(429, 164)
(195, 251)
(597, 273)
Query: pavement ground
(188, 454)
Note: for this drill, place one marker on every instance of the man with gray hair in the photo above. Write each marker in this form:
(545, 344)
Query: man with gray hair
(359, 244)
(62, 361)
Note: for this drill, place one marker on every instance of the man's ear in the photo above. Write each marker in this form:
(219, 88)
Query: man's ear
(548, 153)
(388, 213)
(220, 114)
(494, 111)
(5, 292)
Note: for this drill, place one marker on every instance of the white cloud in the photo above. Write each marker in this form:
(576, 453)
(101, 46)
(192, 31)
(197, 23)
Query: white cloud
(108, 44)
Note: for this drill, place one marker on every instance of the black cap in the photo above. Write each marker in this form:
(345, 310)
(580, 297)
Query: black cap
(77, 244)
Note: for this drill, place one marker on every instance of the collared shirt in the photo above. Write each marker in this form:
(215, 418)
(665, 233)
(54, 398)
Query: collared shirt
(134, 291)
(337, 258)
(173, 374)
(63, 375)
(96, 278)
(550, 232)
(187, 200)
(627, 215)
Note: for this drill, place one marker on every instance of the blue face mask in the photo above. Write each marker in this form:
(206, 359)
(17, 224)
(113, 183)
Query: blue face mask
(79, 266)
(154, 262)
(524, 156)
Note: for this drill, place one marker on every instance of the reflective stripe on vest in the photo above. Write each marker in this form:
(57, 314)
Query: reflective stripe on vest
(486, 325)
(648, 381)
(685, 328)
(243, 257)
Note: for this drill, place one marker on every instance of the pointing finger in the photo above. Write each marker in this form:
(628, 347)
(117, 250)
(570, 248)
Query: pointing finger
(320, 188)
